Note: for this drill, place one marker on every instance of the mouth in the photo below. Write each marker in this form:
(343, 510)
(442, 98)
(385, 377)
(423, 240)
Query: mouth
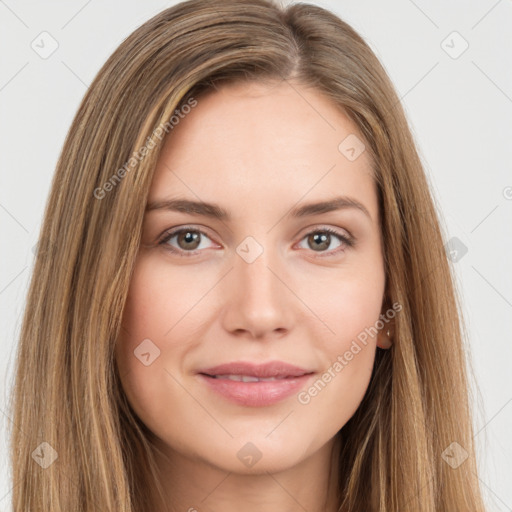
(254, 385)
(249, 378)
(271, 369)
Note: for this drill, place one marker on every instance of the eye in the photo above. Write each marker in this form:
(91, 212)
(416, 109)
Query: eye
(321, 239)
(188, 240)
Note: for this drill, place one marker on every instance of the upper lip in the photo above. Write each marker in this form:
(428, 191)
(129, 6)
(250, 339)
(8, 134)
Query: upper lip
(270, 369)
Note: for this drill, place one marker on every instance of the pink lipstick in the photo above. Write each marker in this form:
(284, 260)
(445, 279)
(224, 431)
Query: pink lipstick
(255, 385)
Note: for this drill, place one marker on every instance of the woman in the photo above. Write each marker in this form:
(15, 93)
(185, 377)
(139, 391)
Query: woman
(242, 296)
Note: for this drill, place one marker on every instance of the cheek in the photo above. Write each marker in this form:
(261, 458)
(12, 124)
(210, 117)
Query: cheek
(155, 313)
(350, 307)
(138, 349)
(158, 300)
(348, 355)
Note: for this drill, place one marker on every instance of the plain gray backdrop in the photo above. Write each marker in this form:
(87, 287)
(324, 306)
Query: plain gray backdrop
(451, 63)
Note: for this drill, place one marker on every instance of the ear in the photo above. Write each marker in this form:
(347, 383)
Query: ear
(385, 335)
(385, 340)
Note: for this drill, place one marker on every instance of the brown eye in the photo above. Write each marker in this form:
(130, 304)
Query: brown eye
(320, 240)
(188, 240)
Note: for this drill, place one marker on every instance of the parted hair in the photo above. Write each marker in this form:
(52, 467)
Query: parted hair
(67, 391)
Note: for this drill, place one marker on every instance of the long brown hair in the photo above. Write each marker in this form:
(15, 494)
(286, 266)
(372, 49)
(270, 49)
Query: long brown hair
(67, 401)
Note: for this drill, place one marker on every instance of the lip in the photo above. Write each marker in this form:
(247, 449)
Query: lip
(278, 369)
(289, 379)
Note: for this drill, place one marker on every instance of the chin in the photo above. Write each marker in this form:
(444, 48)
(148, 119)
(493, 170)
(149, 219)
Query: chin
(258, 456)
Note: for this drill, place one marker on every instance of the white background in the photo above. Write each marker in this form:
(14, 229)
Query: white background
(460, 110)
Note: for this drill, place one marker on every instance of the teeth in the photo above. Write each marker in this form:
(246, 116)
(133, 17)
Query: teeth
(247, 378)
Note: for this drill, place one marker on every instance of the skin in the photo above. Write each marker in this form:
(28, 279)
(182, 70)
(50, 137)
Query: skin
(257, 151)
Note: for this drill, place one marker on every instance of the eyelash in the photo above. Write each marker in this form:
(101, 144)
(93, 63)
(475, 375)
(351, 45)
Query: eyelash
(348, 242)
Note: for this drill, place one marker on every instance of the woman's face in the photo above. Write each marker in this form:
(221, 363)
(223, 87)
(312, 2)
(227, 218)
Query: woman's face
(266, 283)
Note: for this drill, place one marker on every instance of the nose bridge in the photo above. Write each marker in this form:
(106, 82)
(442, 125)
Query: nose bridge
(258, 300)
(253, 270)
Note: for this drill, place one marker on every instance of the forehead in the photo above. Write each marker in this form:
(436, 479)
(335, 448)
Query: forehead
(259, 144)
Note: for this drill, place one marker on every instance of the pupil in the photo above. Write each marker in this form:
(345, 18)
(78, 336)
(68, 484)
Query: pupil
(190, 237)
(322, 240)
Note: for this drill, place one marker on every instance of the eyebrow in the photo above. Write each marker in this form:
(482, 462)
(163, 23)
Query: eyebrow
(217, 212)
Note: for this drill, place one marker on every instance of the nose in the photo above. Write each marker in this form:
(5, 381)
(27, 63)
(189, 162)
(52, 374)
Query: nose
(258, 301)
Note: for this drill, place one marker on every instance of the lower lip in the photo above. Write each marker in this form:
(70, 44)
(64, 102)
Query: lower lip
(256, 394)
